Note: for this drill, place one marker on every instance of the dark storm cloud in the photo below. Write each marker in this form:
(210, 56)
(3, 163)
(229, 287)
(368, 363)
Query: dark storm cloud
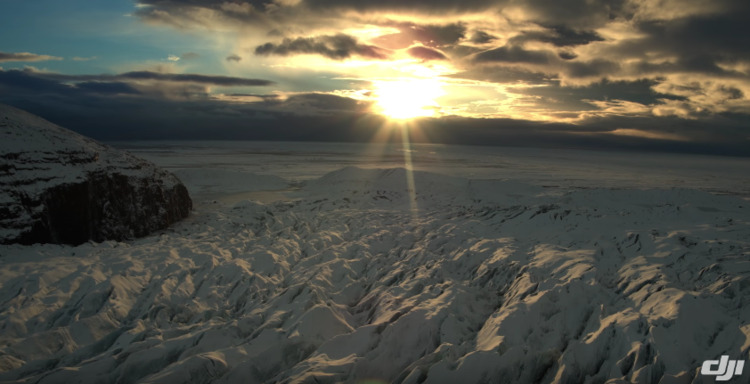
(115, 110)
(481, 37)
(202, 3)
(102, 112)
(25, 56)
(299, 117)
(194, 78)
(399, 5)
(337, 47)
(17, 79)
(576, 14)
(722, 134)
(160, 9)
(670, 36)
(685, 69)
(563, 63)
(430, 35)
(27, 83)
(317, 103)
(696, 43)
(592, 68)
(226, 81)
(560, 36)
(514, 54)
(76, 92)
(578, 98)
(566, 55)
(724, 35)
(512, 74)
(426, 54)
(114, 87)
(36, 86)
(242, 6)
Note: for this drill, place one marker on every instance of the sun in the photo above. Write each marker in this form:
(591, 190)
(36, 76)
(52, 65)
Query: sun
(407, 98)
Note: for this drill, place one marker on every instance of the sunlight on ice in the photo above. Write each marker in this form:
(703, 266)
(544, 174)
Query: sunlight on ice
(411, 187)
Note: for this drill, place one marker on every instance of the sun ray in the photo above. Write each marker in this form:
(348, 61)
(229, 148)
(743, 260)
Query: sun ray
(409, 167)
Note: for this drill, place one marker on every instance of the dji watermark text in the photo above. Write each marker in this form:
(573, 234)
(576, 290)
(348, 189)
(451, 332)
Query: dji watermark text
(724, 369)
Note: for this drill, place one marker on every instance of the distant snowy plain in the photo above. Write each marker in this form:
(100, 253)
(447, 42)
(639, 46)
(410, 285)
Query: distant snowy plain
(322, 263)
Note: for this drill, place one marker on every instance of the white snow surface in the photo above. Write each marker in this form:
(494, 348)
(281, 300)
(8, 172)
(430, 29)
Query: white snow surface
(359, 274)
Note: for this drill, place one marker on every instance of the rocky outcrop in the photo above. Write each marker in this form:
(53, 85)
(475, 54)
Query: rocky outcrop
(57, 186)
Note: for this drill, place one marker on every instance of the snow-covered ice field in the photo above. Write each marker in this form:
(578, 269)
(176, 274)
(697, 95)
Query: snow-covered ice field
(322, 263)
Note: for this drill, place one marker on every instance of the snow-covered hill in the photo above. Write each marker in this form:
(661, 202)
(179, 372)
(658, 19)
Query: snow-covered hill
(58, 186)
(366, 275)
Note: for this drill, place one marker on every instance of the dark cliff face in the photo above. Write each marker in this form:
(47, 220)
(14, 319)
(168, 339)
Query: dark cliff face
(107, 207)
(59, 187)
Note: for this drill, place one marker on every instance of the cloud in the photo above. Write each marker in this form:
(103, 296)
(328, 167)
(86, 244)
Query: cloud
(560, 36)
(226, 81)
(234, 57)
(173, 58)
(184, 13)
(78, 58)
(75, 91)
(592, 69)
(482, 37)
(245, 8)
(190, 56)
(395, 5)
(25, 56)
(504, 74)
(114, 87)
(679, 41)
(514, 54)
(336, 47)
(647, 134)
(630, 71)
(576, 40)
(28, 83)
(430, 35)
(318, 104)
(575, 14)
(27, 80)
(426, 54)
(643, 91)
(128, 112)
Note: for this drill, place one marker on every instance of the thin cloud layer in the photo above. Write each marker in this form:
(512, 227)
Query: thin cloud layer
(427, 54)
(233, 57)
(25, 56)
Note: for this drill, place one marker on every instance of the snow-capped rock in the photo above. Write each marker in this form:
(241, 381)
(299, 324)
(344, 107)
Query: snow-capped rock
(57, 186)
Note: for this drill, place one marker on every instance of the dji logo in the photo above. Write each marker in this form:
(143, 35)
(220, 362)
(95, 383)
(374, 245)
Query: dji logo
(725, 368)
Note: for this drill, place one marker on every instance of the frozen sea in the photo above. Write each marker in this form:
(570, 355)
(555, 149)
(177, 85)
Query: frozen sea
(554, 168)
(365, 263)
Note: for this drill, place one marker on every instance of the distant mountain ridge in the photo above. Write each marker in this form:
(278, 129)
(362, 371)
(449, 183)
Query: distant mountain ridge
(57, 186)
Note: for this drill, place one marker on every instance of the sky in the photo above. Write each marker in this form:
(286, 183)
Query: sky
(665, 75)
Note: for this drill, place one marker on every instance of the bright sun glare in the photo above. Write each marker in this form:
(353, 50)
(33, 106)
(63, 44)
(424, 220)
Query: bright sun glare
(407, 98)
